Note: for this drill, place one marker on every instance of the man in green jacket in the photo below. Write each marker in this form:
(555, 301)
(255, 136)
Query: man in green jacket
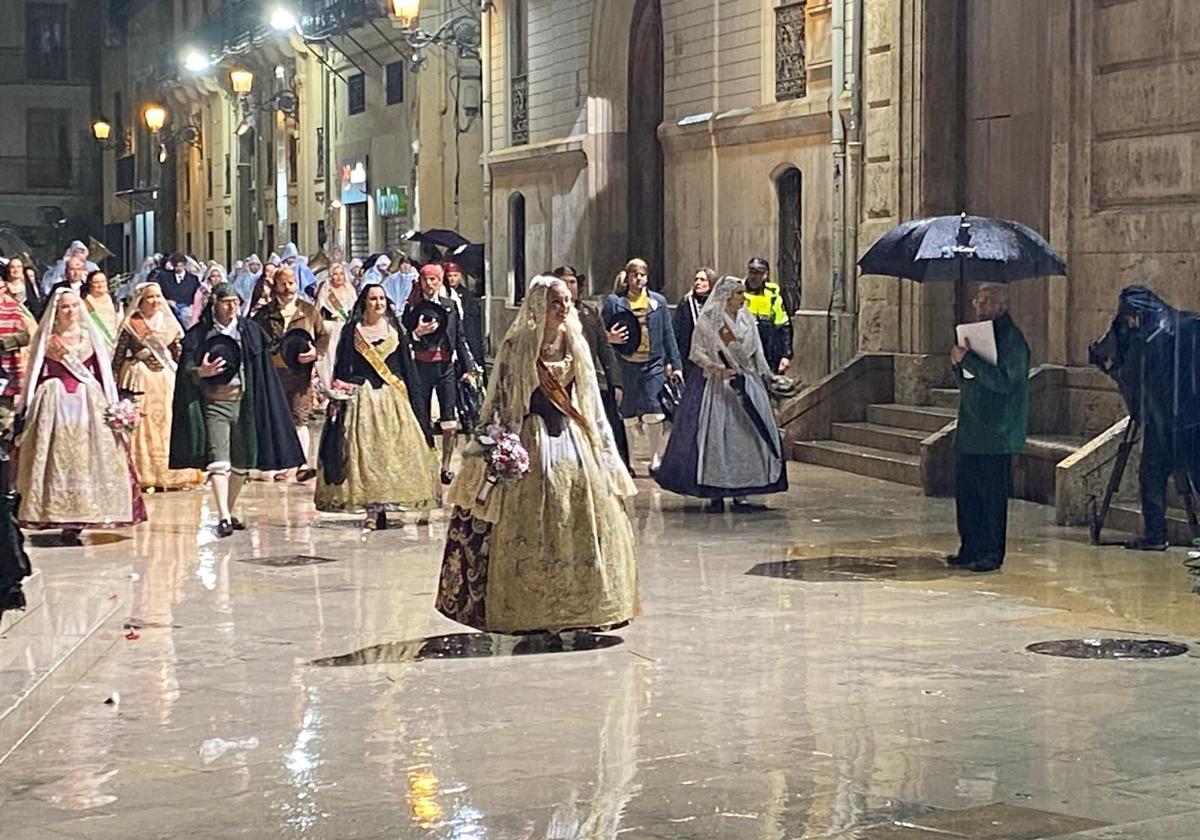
(993, 416)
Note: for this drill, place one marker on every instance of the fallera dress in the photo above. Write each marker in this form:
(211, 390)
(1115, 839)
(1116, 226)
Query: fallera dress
(553, 550)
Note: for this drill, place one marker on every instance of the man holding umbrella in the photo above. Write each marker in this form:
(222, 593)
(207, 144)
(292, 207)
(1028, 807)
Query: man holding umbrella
(993, 415)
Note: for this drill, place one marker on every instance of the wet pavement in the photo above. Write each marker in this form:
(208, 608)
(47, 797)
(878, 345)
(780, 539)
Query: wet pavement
(806, 672)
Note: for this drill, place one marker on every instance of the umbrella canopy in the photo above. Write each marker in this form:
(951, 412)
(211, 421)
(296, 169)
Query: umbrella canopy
(448, 239)
(962, 247)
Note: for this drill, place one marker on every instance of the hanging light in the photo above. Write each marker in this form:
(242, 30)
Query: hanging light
(242, 80)
(155, 117)
(195, 61)
(406, 11)
(283, 20)
(101, 129)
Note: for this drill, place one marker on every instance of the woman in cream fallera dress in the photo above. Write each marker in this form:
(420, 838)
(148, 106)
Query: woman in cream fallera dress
(554, 550)
(73, 470)
(146, 361)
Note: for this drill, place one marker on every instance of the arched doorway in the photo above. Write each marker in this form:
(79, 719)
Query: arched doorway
(789, 187)
(516, 244)
(645, 155)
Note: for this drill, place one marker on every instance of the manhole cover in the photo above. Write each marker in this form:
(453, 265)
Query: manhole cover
(279, 561)
(851, 567)
(1109, 648)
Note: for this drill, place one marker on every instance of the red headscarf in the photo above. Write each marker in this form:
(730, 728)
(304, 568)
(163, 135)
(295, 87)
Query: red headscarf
(449, 267)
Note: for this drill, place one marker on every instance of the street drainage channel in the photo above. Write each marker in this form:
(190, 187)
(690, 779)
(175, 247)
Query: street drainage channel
(1109, 648)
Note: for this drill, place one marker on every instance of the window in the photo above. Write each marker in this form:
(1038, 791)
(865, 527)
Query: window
(208, 175)
(293, 158)
(791, 69)
(212, 247)
(516, 244)
(395, 83)
(229, 248)
(228, 173)
(46, 40)
(190, 252)
(356, 93)
(788, 187)
(270, 239)
(46, 145)
(518, 69)
(322, 236)
(294, 230)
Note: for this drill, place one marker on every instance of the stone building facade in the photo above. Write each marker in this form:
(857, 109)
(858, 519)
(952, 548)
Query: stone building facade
(1077, 117)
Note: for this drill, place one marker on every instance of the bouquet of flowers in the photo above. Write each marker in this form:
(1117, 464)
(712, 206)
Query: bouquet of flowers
(506, 458)
(122, 416)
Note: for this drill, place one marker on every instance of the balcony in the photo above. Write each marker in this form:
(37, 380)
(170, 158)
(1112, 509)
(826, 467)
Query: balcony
(68, 67)
(520, 110)
(46, 175)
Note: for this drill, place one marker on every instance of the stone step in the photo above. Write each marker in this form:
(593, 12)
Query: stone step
(886, 438)
(861, 460)
(35, 596)
(45, 654)
(1127, 517)
(944, 398)
(923, 417)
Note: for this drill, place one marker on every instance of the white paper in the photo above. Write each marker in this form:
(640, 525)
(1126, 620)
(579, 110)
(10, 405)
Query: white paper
(982, 336)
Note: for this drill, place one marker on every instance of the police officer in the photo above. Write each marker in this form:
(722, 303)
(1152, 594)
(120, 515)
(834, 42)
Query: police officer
(765, 302)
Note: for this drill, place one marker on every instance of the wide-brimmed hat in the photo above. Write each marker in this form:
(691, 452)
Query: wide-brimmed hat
(432, 311)
(295, 342)
(224, 347)
(625, 318)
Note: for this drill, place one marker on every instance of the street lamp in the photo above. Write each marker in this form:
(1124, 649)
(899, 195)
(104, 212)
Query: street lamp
(406, 12)
(242, 81)
(101, 129)
(195, 61)
(155, 117)
(283, 20)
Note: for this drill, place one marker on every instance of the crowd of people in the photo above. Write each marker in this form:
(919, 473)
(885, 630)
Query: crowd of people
(188, 374)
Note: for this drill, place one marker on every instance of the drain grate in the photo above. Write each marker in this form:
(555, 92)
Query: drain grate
(852, 567)
(339, 524)
(284, 561)
(1109, 648)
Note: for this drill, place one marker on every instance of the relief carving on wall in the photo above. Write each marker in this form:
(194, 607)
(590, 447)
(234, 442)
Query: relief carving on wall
(791, 74)
(520, 110)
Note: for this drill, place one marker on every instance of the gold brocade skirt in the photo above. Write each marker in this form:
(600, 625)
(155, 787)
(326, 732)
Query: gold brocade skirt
(560, 555)
(151, 441)
(388, 463)
(72, 470)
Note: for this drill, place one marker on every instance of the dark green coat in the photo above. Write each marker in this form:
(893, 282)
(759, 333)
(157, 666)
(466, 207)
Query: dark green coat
(993, 408)
(265, 419)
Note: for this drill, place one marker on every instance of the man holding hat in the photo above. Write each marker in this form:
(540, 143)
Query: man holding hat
(230, 414)
(441, 355)
(765, 302)
(297, 336)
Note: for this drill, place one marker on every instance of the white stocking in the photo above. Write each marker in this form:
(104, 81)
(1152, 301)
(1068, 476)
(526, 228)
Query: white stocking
(220, 488)
(657, 438)
(305, 440)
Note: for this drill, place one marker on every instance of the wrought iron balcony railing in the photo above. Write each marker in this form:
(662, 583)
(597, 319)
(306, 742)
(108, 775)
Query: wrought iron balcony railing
(520, 110)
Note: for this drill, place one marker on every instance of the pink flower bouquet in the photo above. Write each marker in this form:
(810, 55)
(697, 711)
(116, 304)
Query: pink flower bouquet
(505, 456)
(122, 416)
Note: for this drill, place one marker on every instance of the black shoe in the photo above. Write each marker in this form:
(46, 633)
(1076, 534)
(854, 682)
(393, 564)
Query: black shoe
(71, 536)
(958, 561)
(447, 477)
(1147, 544)
(224, 529)
(381, 521)
(716, 506)
(238, 525)
(985, 565)
(747, 507)
(305, 475)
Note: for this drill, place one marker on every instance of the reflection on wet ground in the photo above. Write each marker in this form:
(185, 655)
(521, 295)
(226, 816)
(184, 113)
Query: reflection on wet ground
(283, 561)
(471, 646)
(55, 539)
(851, 567)
(850, 688)
(1109, 648)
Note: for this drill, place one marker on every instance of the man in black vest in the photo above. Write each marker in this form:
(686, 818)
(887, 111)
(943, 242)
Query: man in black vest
(180, 287)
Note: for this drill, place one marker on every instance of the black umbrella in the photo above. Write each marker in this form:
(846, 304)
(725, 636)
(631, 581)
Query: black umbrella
(962, 248)
(448, 239)
(766, 431)
(470, 259)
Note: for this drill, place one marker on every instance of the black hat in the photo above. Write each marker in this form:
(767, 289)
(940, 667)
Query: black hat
(625, 318)
(758, 264)
(430, 310)
(224, 347)
(293, 343)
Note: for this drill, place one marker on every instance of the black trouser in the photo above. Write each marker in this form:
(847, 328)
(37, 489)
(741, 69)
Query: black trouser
(1153, 473)
(982, 484)
(437, 378)
(613, 413)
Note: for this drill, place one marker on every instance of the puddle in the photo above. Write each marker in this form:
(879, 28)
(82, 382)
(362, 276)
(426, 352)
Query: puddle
(1109, 648)
(860, 567)
(53, 539)
(283, 561)
(469, 646)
